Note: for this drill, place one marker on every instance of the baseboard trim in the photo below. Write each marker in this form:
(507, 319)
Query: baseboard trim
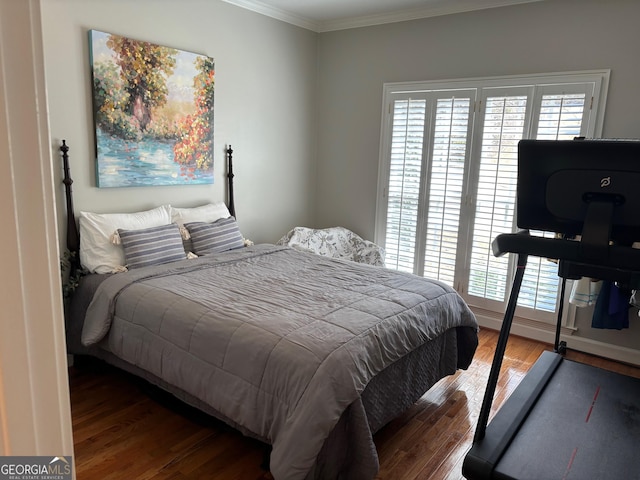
(546, 333)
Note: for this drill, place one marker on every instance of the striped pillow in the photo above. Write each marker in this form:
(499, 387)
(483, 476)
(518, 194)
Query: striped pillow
(216, 237)
(152, 246)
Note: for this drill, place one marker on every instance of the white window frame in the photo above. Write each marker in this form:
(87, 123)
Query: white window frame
(483, 86)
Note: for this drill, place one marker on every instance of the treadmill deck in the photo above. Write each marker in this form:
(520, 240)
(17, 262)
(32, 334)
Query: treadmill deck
(585, 424)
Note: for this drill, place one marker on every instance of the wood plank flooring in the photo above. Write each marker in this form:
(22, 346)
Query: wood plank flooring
(125, 429)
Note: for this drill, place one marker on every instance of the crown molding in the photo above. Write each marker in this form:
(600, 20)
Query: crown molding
(416, 14)
(444, 8)
(278, 14)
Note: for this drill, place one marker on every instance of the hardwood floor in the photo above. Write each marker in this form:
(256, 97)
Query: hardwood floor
(125, 429)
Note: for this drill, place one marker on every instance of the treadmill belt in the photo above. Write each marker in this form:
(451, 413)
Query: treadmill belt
(585, 425)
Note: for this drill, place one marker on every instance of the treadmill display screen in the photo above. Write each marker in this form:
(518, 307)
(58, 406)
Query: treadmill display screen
(560, 180)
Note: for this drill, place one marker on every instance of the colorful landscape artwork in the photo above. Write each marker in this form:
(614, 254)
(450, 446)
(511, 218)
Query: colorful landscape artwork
(153, 113)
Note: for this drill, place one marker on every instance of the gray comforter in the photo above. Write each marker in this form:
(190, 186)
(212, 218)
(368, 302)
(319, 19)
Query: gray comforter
(278, 340)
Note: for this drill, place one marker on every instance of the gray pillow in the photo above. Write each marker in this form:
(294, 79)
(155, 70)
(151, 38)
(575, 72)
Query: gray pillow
(216, 237)
(152, 246)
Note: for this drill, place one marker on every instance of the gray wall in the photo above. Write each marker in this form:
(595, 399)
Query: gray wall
(264, 103)
(540, 37)
(303, 110)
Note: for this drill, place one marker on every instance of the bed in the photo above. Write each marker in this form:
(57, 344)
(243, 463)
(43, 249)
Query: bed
(311, 355)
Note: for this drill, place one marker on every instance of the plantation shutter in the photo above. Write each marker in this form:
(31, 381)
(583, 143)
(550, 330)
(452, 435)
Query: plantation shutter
(445, 190)
(562, 114)
(505, 123)
(422, 224)
(448, 177)
(407, 144)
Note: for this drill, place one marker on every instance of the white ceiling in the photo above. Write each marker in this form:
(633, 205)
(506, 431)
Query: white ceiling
(328, 15)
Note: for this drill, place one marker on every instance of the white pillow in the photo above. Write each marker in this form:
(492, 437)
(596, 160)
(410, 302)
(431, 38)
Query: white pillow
(206, 213)
(97, 252)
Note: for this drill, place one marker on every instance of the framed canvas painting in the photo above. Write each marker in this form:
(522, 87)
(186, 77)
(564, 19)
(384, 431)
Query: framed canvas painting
(153, 113)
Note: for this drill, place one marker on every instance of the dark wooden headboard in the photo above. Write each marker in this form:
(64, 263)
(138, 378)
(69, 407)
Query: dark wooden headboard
(230, 203)
(73, 235)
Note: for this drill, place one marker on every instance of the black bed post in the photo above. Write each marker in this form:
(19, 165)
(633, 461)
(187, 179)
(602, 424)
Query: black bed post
(232, 208)
(73, 238)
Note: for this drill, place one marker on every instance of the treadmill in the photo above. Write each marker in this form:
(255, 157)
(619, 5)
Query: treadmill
(567, 420)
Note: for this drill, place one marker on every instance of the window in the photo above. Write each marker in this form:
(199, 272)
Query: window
(448, 170)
